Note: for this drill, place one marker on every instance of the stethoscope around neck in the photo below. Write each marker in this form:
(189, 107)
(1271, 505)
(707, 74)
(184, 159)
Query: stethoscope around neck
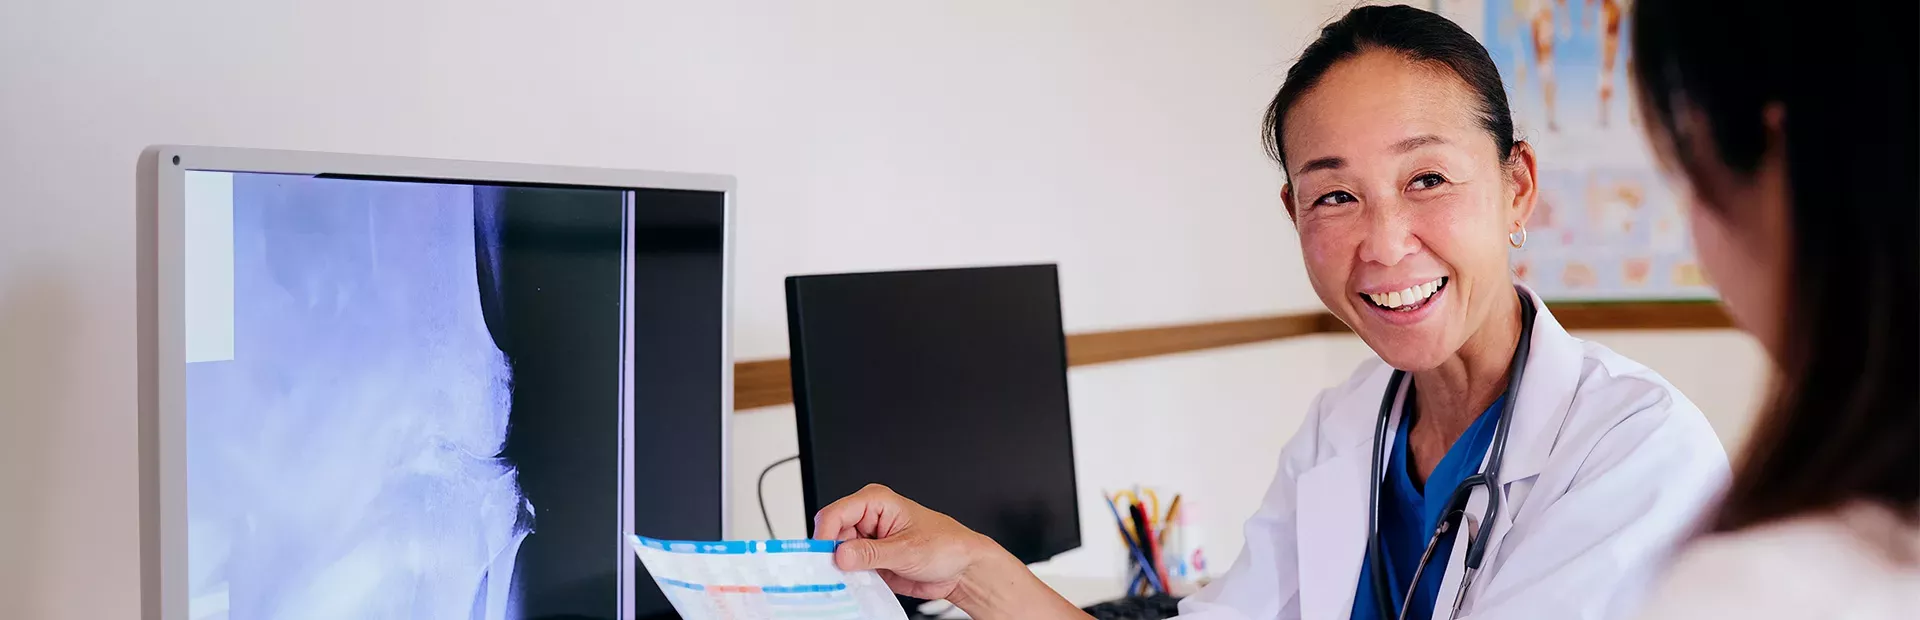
(1456, 507)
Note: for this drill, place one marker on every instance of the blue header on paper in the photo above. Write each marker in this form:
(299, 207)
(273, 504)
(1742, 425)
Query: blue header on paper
(737, 547)
(812, 589)
(682, 584)
(801, 546)
(819, 588)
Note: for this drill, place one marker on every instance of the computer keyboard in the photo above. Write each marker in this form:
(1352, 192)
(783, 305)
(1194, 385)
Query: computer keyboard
(1153, 607)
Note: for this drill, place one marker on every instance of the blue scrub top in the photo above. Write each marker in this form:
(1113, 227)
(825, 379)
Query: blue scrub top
(1408, 515)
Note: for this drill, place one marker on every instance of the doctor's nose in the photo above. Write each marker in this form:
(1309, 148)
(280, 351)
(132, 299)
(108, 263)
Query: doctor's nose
(1388, 237)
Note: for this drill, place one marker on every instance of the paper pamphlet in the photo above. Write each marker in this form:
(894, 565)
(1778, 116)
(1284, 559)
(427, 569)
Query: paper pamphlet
(763, 580)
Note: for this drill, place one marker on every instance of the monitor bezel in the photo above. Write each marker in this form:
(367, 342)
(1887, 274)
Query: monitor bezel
(160, 251)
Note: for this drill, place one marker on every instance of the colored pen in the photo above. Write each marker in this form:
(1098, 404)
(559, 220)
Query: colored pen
(1166, 522)
(1139, 553)
(1151, 549)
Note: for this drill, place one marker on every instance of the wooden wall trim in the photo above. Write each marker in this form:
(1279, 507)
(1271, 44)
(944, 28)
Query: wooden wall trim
(1648, 315)
(762, 383)
(766, 383)
(1113, 346)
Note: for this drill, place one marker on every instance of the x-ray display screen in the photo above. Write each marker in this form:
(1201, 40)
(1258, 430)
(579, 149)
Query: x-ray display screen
(404, 399)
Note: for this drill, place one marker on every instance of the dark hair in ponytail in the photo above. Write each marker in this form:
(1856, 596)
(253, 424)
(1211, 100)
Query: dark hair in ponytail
(1420, 36)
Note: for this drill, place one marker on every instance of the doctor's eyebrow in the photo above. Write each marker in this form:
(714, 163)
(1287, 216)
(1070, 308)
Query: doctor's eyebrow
(1403, 146)
(1409, 144)
(1323, 163)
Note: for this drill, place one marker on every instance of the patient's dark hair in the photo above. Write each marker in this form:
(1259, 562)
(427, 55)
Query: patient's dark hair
(1843, 423)
(1418, 35)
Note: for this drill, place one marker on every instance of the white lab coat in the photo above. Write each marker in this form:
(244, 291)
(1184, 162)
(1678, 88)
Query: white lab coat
(1607, 469)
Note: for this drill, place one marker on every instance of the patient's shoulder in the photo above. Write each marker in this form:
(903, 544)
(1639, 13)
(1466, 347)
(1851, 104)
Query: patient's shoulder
(1859, 562)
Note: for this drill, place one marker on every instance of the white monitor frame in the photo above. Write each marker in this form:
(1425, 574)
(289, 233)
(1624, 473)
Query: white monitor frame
(162, 326)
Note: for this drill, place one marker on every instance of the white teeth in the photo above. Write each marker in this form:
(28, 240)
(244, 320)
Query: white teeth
(1407, 296)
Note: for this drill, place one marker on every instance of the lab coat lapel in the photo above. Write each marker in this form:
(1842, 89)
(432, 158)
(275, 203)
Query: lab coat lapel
(1539, 411)
(1332, 535)
(1332, 503)
(1546, 395)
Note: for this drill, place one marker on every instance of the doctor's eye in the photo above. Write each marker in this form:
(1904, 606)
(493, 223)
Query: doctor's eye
(1334, 198)
(1429, 180)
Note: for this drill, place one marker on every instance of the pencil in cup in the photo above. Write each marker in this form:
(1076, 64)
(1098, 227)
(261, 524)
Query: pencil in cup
(1172, 561)
(1134, 548)
(1143, 522)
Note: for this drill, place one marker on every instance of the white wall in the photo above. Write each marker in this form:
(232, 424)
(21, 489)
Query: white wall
(1117, 137)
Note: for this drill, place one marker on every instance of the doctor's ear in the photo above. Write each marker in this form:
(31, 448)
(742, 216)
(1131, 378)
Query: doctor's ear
(1522, 179)
(1286, 196)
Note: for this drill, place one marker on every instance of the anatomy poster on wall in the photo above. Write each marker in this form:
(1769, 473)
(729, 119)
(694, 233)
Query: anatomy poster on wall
(1606, 227)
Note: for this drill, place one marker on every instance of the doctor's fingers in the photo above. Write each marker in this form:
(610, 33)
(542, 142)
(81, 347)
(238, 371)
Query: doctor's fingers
(873, 512)
(930, 556)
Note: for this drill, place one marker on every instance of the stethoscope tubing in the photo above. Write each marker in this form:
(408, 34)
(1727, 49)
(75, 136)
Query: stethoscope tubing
(1488, 476)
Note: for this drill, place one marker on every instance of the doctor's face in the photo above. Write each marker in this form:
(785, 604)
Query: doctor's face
(1403, 205)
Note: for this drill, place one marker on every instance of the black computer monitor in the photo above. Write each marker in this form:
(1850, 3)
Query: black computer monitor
(948, 386)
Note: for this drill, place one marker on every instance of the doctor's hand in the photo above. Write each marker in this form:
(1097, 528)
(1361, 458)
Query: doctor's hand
(928, 555)
(919, 552)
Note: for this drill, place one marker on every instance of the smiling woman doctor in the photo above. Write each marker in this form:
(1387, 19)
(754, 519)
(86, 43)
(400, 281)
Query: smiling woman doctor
(1487, 465)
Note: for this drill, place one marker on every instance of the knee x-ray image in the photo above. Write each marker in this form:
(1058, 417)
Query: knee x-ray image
(403, 399)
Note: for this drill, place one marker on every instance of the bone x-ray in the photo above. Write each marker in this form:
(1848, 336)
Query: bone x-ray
(404, 398)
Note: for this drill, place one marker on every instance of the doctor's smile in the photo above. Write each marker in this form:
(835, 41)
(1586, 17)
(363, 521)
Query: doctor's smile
(1407, 299)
